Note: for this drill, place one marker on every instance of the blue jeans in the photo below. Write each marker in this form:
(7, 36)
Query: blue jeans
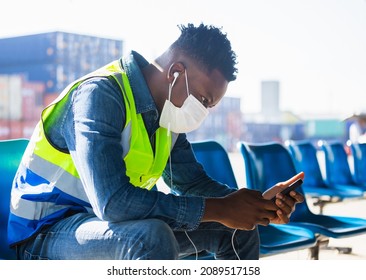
(84, 236)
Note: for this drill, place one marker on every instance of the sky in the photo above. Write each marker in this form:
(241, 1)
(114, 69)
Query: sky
(316, 49)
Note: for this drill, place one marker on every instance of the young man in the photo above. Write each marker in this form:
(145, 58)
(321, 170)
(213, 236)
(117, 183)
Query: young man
(84, 187)
(357, 130)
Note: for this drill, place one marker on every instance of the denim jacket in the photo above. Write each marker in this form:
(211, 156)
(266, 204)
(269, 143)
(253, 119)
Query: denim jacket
(89, 127)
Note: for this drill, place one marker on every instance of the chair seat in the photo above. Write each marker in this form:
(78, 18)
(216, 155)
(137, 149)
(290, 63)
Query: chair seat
(353, 188)
(277, 239)
(333, 226)
(342, 193)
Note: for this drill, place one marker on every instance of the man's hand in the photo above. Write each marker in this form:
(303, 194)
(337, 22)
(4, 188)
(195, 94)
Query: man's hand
(286, 203)
(243, 209)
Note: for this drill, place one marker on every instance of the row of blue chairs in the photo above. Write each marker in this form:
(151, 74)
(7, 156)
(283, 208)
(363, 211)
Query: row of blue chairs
(265, 165)
(275, 238)
(359, 164)
(338, 183)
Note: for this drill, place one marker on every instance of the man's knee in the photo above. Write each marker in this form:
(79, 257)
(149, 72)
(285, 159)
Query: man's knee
(152, 239)
(162, 240)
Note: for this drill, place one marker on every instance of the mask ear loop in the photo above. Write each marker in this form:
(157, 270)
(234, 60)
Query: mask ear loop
(185, 74)
(169, 97)
(168, 132)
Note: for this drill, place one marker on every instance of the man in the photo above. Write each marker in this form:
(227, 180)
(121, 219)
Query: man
(84, 189)
(357, 130)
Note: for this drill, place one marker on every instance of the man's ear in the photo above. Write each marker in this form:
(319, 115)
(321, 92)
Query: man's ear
(175, 70)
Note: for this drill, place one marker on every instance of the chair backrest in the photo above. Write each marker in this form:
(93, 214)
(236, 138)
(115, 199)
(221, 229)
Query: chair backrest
(11, 152)
(215, 161)
(359, 162)
(337, 168)
(304, 155)
(267, 164)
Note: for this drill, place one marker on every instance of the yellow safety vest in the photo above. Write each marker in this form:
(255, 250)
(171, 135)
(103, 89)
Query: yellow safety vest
(143, 165)
(34, 204)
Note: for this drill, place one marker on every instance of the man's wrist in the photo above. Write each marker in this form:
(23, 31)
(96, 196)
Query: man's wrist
(213, 210)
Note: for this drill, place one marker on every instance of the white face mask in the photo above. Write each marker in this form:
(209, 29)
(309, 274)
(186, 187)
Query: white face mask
(186, 118)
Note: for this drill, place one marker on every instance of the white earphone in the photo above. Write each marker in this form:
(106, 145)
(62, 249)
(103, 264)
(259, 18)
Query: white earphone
(175, 74)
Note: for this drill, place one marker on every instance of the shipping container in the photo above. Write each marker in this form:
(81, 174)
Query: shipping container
(325, 128)
(20, 100)
(11, 129)
(10, 97)
(45, 73)
(27, 49)
(56, 58)
(28, 128)
(32, 94)
(34, 69)
(56, 47)
(4, 129)
(49, 98)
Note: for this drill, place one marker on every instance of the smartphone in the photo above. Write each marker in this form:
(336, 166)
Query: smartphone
(290, 188)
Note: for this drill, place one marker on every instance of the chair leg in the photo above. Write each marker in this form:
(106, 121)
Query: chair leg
(341, 250)
(321, 202)
(322, 244)
(314, 251)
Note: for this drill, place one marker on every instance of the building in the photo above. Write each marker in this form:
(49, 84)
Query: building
(21, 103)
(223, 124)
(274, 124)
(271, 123)
(270, 96)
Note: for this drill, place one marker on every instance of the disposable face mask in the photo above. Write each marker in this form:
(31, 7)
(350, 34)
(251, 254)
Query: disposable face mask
(186, 118)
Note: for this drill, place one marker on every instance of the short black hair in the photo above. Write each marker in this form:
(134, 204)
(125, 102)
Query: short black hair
(207, 45)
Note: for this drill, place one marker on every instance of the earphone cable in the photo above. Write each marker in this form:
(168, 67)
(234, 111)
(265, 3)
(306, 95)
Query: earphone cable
(190, 240)
(233, 245)
(194, 246)
(171, 185)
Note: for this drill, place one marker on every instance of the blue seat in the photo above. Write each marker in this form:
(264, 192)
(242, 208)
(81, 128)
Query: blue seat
(11, 152)
(337, 169)
(358, 151)
(274, 239)
(269, 163)
(304, 155)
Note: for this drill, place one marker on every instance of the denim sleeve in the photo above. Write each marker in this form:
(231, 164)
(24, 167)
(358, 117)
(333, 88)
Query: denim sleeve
(92, 130)
(187, 176)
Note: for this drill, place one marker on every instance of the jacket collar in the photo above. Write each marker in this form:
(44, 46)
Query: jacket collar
(132, 64)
